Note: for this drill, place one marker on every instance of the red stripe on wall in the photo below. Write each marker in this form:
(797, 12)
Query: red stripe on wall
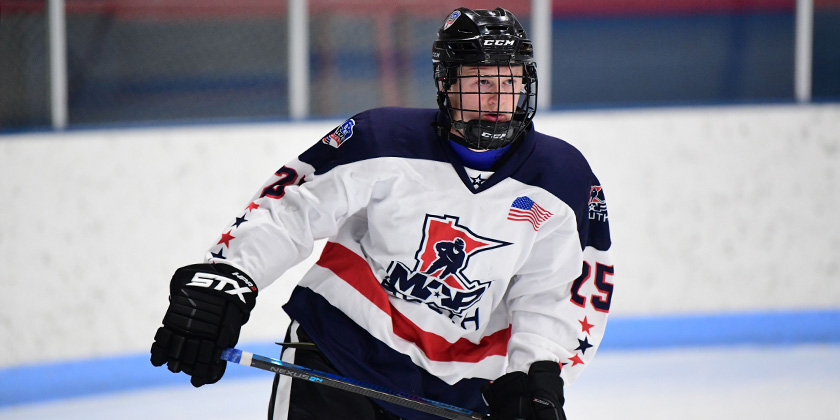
(426, 8)
(667, 7)
(353, 269)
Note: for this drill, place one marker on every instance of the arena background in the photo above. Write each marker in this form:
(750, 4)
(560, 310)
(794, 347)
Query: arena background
(722, 187)
(188, 60)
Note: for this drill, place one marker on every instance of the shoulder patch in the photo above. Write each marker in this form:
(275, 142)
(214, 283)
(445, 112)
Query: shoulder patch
(341, 134)
(597, 204)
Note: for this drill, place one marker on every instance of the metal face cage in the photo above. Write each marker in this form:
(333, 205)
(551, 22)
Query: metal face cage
(489, 105)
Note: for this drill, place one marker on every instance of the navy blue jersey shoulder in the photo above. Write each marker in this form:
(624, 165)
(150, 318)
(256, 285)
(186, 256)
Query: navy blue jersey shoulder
(562, 170)
(557, 167)
(378, 132)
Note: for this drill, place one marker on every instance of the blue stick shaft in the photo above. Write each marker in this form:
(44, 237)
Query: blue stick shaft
(373, 391)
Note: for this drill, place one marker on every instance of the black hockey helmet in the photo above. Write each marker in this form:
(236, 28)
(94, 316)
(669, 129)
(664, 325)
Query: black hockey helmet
(483, 38)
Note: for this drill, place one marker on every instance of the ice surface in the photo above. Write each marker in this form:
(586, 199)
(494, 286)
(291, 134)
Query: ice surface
(721, 383)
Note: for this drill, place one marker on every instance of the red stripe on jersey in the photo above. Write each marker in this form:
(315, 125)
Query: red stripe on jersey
(353, 269)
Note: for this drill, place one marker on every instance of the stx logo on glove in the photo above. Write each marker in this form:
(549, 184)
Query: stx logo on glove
(206, 280)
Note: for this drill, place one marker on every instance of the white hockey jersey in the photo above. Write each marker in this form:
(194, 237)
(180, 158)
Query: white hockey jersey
(435, 277)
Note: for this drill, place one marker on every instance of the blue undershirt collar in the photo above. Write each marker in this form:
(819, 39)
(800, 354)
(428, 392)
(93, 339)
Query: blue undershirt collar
(482, 161)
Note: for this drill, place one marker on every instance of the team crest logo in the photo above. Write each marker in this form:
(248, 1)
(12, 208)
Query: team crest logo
(437, 277)
(341, 134)
(451, 19)
(597, 204)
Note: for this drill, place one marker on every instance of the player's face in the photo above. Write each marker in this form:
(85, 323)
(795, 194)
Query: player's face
(486, 93)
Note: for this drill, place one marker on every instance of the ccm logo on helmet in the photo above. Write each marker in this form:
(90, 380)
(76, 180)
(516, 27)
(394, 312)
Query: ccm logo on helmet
(498, 42)
(206, 280)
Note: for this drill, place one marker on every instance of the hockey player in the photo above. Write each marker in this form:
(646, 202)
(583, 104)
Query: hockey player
(464, 260)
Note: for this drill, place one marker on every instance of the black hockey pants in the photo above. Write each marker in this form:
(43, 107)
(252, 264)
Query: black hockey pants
(294, 399)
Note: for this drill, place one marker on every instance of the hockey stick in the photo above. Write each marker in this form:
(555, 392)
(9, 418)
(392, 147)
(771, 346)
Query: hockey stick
(373, 391)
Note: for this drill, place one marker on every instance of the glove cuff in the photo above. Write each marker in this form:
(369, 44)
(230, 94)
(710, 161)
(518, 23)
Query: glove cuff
(546, 367)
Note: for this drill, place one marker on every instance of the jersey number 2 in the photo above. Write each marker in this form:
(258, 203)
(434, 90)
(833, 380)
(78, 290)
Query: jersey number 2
(288, 176)
(599, 302)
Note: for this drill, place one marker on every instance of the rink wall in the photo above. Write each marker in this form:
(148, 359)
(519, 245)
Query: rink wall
(722, 217)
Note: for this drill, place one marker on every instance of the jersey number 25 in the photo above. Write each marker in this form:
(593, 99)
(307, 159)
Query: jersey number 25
(600, 302)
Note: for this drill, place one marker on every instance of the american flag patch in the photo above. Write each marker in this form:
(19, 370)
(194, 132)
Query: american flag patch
(523, 208)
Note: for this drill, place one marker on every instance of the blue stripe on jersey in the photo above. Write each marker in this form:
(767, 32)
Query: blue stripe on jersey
(357, 354)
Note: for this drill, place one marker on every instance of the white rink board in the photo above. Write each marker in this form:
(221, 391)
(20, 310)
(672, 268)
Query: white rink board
(713, 209)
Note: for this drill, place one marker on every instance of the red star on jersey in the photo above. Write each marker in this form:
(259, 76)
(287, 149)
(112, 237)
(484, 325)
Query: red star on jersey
(252, 207)
(576, 360)
(585, 326)
(226, 238)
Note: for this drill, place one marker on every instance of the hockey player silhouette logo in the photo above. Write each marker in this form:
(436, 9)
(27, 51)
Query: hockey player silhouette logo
(595, 196)
(450, 258)
(438, 278)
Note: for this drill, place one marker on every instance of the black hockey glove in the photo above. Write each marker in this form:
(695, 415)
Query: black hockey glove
(208, 304)
(535, 396)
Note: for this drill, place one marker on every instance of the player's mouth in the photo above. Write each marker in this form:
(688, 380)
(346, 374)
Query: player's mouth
(494, 117)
